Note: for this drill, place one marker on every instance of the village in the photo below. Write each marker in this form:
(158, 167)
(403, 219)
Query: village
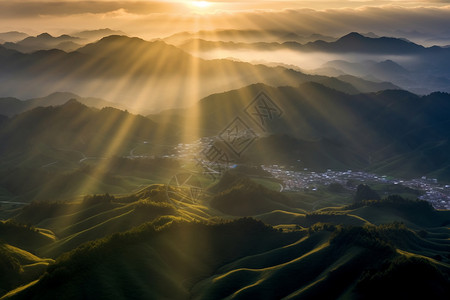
(437, 194)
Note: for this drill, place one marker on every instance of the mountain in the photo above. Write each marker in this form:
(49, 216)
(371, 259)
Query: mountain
(147, 244)
(247, 259)
(367, 86)
(96, 34)
(426, 73)
(387, 69)
(13, 106)
(68, 150)
(421, 80)
(74, 126)
(130, 70)
(239, 196)
(13, 36)
(245, 36)
(45, 41)
(357, 43)
(333, 128)
(350, 43)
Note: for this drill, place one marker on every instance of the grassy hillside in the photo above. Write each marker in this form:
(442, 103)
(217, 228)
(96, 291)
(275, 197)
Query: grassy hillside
(18, 267)
(153, 258)
(242, 259)
(156, 243)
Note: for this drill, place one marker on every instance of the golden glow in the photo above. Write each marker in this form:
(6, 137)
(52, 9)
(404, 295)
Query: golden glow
(201, 4)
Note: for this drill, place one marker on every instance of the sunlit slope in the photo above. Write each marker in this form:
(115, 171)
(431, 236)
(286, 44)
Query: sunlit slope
(75, 127)
(24, 236)
(68, 150)
(19, 263)
(148, 245)
(332, 268)
(154, 263)
(137, 73)
(102, 215)
(18, 267)
(245, 260)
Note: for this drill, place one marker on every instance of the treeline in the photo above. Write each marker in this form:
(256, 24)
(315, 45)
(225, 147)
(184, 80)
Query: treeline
(403, 277)
(395, 201)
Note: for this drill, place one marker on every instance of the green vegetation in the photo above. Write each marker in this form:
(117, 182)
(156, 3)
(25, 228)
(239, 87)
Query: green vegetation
(239, 196)
(399, 278)
(18, 266)
(364, 192)
(142, 246)
(23, 236)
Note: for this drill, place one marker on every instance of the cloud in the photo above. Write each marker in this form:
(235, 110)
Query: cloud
(26, 9)
(35, 8)
(161, 18)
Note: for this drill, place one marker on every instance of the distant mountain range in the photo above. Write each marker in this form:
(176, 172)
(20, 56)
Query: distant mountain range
(246, 36)
(13, 106)
(137, 73)
(24, 43)
(351, 43)
(12, 36)
(45, 41)
(421, 81)
(427, 67)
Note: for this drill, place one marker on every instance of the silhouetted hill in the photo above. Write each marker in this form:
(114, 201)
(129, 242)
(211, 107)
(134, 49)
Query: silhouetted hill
(13, 106)
(45, 41)
(96, 34)
(383, 70)
(320, 126)
(13, 36)
(77, 127)
(351, 43)
(245, 36)
(119, 68)
(355, 42)
(239, 196)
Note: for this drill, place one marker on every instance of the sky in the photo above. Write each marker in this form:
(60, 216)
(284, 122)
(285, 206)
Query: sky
(148, 19)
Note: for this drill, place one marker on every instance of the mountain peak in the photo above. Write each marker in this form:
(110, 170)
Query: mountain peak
(44, 35)
(353, 36)
(73, 103)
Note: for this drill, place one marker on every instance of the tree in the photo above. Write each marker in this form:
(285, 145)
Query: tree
(364, 192)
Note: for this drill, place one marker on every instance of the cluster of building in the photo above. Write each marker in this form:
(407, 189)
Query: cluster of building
(437, 194)
(293, 180)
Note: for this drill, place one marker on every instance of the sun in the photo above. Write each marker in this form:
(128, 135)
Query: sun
(201, 4)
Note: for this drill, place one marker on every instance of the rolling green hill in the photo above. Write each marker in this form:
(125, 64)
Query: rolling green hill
(145, 245)
(242, 260)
